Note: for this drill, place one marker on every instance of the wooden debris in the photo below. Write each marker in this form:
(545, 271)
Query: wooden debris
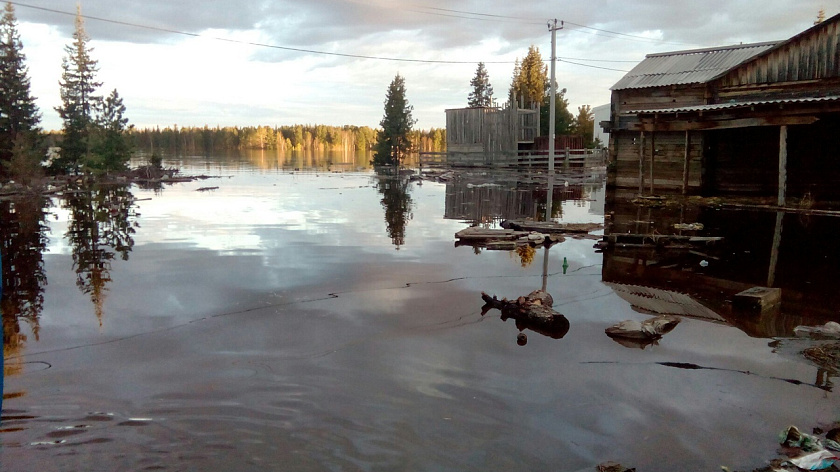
(758, 299)
(503, 239)
(533, 312)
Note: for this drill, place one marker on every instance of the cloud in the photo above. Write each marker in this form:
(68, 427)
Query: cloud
(217, 65)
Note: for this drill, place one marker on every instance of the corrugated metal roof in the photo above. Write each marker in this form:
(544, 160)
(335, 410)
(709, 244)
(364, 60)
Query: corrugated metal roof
(688, 67)
(731, 105)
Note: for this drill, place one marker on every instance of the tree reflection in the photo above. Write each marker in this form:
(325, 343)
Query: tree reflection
(101, 226)
(397, 204)
(22, 240)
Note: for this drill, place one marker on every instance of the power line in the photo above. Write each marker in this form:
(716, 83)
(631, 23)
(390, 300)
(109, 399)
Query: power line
(251, 43)
(533, 21)
(570, 60)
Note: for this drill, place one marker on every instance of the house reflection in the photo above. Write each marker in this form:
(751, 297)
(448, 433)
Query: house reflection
(23, 237)
(788, 251)
(102, 225)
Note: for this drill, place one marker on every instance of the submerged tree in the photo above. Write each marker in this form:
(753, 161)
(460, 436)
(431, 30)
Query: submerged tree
(393, 142)
(78, 99)
(482, 94)
(19, 116)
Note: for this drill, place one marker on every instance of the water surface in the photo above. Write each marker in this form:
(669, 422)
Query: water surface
(324, 319)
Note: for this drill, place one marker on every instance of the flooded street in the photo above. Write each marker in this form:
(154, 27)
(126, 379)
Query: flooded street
(325, 319)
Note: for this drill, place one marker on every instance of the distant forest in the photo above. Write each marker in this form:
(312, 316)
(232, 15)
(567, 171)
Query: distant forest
(196, 140)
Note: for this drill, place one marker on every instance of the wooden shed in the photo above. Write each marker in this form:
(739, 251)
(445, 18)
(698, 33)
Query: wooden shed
(757, 119)
(488, 135)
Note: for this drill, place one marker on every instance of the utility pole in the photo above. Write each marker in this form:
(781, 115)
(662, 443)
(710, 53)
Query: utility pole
(552, 26)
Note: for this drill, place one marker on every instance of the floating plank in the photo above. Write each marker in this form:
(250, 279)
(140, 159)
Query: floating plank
(550, 227)
(478, 233)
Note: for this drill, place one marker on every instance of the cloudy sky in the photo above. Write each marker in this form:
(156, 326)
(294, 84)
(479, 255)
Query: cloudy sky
(282, 62)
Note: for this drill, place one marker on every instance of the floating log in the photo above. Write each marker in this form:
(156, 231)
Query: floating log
(533, 312)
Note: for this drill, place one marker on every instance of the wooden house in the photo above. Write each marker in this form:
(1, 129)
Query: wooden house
(488, 135)
(759, 119)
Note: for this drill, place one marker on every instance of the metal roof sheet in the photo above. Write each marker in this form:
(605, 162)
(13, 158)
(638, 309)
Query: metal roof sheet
(688, 67)
(731, 105)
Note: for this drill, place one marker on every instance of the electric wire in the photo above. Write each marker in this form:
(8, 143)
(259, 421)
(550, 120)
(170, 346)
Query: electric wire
(570, 60)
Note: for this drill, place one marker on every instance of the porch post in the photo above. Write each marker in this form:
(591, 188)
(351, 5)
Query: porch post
(685, 163)
(783, 132)
(652, 152)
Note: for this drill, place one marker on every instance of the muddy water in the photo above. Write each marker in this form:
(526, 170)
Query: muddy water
(325, 320)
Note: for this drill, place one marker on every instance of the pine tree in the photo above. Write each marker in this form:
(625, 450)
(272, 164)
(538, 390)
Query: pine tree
(19, 116)
(78, 99)
(393, 141)
(482, 94)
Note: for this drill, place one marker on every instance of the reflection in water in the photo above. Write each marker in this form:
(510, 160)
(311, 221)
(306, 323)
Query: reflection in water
(754, 251)
(23, 238)
(101, 226)
(397, 204)
(488, 198)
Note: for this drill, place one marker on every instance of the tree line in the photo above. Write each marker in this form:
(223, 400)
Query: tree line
(318, 138)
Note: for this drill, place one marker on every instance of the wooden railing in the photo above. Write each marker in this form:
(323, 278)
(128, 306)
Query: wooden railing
(563, 159)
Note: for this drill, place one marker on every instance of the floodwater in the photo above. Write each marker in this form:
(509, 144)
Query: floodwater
(322, 318)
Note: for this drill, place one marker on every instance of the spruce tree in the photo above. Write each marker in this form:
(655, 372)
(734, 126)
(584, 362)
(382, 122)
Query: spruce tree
(19, 116)
(78, 99)
(110, 148)
(393, 142)
(482, 94)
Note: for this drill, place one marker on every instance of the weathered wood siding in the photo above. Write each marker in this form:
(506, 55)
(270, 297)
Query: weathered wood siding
(658, 98)
(811, 55)
(668, 165)
(482, 135)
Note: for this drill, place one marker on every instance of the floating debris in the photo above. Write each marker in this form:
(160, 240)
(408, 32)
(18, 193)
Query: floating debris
(649, 329)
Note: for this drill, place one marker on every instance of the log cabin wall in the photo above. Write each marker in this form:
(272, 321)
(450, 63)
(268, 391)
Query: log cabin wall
(669, 160)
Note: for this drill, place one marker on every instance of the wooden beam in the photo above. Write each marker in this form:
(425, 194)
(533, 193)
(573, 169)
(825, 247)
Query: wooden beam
(723, 124)
(783, 132)
(685, 162)
(641, 162)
